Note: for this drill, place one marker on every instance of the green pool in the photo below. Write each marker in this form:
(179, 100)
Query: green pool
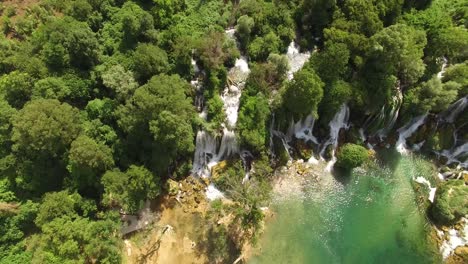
(371, 218)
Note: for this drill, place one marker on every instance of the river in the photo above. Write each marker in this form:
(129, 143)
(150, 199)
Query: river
(370, 216)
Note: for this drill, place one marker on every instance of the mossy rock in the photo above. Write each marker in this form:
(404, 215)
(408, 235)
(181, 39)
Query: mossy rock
(219, 168)
(462, 252)
(351, 156)
(450, 202)
(172, 187)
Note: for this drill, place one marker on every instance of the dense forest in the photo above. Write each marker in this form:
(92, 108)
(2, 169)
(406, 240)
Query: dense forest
(100, 102)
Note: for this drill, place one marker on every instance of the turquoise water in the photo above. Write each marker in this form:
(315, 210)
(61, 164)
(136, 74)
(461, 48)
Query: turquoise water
(372, 218)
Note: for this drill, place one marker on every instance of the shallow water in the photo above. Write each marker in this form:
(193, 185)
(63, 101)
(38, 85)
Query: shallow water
(372, 218)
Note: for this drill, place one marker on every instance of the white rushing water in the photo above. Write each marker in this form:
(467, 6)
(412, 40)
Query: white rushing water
(296, 59)
(339, 121)
(442, 70)
(454, 110)
(432, 190)
(232, 92)
(209, 150)
(212, 193)
(454, 239)
(406, 131)
(453, 154)
(302, 129)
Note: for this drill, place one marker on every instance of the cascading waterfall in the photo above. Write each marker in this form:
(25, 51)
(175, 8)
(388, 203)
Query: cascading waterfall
(301, 129)
(453, 155)
(385, 120)
(454, 110)
(442, 70)
(339, 121)
(397, 100)
(296, 59)
(406, 132)
(207, 152)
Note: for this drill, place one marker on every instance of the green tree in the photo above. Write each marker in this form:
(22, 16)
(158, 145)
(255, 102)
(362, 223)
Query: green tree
(16, 88)
(164, 10)
(303, 94)
(63, 205)
(65, 41)
(15, 224)
(129, 190)
(102, 109)
(244, 29)
(6, 113)
(332, 62)
(452, 43)
(457, 73)
(45, 126)
(214, 50)
(51, 88)
(335, 95)
(432, 95)
(252, 124)
(121, 81)
(163, 99)
(149, 60)
(261, 47)
(79, 240)
(399, 49)
(216, 114)
(88, 159)
(351, 156)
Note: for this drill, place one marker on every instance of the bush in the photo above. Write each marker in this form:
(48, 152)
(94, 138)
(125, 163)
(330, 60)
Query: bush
(450, 202)
(351, 156)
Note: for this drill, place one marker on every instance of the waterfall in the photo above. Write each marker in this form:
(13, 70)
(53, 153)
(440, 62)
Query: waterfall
(209, 150)
(339, 121)
(284, 141)
(442, 70)
(205, 151)
(455, 153)
(454, 110)
(296, 59)
(406, 132)
(381, 124)
(432, 190)
(397, 100)
(303, 129)
(232, 93)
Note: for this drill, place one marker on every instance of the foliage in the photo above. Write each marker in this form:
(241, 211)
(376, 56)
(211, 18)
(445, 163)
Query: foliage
(432, 95)
(252, 124)
(88, 159)
(450, 202)
(149, 60)
(303, 94)
(351, 156)
(45, 126)
(66, 42)
(160, 112)
(129, 189)
(121, 81)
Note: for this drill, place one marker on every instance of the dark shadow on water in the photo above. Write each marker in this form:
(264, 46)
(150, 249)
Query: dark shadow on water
(342, 175)
(388, 157)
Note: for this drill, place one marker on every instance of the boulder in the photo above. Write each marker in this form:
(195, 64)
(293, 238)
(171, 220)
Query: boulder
(172, 187)
(462, 252)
